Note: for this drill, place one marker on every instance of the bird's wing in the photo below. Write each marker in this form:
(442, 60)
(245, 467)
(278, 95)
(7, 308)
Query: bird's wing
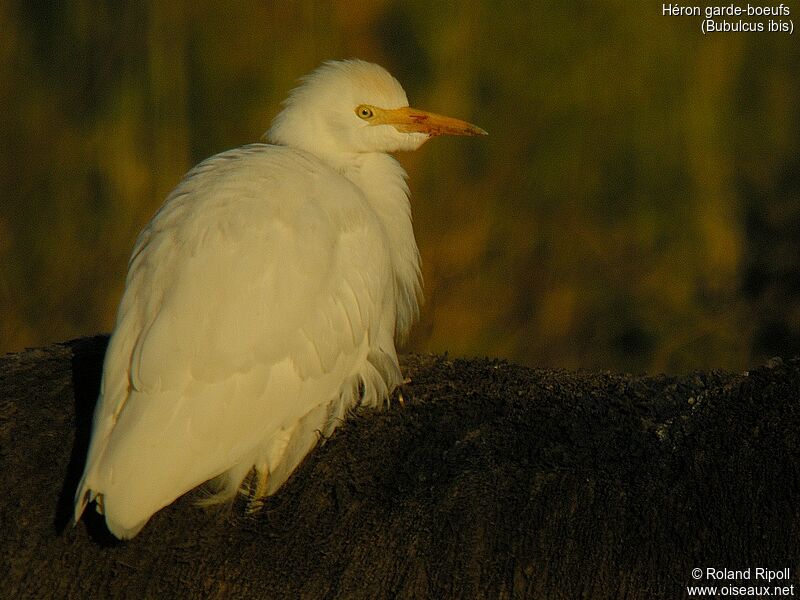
(250, 297)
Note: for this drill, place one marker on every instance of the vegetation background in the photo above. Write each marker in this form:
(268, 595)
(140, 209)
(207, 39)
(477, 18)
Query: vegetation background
(636, 205)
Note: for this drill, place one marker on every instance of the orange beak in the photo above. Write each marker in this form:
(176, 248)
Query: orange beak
(412, 120)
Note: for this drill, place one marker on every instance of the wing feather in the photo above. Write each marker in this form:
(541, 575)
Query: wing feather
(250, 302)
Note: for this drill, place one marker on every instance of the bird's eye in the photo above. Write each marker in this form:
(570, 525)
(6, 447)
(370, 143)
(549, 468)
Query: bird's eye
(364, 112)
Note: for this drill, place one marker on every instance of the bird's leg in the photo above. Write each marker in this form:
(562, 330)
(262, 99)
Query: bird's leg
(256, 501)
(399, 392)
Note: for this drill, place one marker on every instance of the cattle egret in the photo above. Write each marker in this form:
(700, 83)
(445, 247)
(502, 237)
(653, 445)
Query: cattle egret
(262, 301)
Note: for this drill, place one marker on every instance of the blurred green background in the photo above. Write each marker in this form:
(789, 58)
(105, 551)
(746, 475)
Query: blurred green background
(635, 207)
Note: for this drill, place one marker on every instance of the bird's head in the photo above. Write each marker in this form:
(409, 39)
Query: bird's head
(352, 106)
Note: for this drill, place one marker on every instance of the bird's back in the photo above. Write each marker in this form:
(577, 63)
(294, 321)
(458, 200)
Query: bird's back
(258, 308)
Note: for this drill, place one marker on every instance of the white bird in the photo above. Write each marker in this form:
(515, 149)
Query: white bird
(263, 301)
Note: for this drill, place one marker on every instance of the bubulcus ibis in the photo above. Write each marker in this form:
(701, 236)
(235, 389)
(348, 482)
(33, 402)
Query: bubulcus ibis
(263, 301)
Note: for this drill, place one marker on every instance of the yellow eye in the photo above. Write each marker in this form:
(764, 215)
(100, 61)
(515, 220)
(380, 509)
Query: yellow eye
(364, 112)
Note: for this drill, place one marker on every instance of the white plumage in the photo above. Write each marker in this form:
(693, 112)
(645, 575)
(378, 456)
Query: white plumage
(263, 300)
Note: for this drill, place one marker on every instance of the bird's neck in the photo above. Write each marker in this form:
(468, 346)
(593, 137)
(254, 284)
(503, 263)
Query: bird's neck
(383, 182)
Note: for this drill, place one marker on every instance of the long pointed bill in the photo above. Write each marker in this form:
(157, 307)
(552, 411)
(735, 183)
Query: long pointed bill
(412, 120)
